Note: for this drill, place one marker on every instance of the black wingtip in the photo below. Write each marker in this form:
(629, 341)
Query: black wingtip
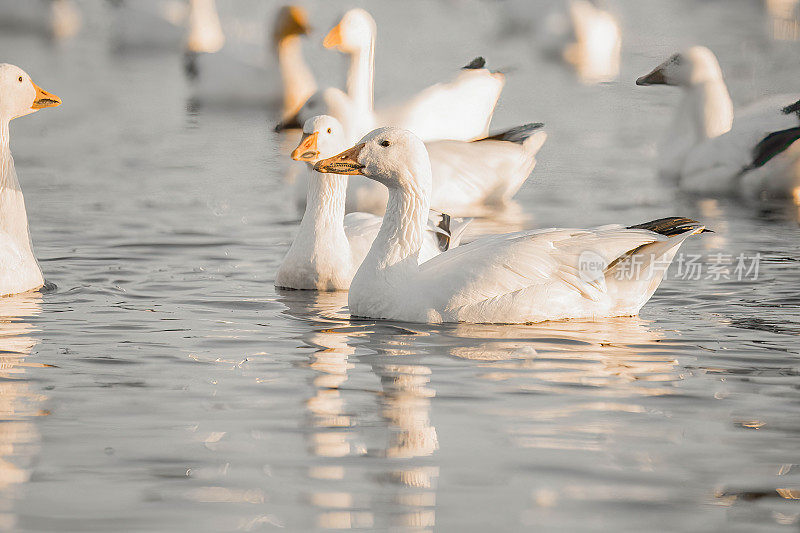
(772, 145)
(671, 226)
(477, 63)
(792, 108)
(443, 238)
(517, 134)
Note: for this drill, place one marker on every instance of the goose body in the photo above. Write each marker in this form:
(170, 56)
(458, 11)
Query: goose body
(330, 246)
(460, 109)
(466, 175)
(529, 276)
(19, 270)
(220, 71)
(708, 151)
(595, 54)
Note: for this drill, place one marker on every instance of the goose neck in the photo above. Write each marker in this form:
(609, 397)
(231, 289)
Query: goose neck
(298, 82)
(400, 237)
(712, 108)
(360, 76)
(325, 206)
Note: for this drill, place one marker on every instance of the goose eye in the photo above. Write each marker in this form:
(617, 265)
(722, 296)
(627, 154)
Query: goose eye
(329, 130)
(20, 79)
(384, 143)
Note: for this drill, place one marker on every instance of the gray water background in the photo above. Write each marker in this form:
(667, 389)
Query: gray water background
(165, 385)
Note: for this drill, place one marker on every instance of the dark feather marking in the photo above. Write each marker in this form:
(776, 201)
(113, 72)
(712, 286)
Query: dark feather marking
(444, 238)
(793, 108)
(478, 62)
(670, 226)
(772, 145)
(518, 134)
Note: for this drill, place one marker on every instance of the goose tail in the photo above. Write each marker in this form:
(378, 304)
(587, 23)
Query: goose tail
(633, 277)
(530, 135)
(772, 145)
(449, 230)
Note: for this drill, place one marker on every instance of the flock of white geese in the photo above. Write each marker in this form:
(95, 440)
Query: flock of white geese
(386, 186)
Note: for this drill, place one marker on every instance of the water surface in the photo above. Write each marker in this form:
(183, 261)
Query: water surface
(165, 385)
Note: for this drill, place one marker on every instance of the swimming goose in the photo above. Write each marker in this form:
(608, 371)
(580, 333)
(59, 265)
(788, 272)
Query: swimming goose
(19, 270)
(466, 175)
(707, 151)
(330, 245)
(460, 109)
(221, 73)
(529, 276)
(596, 51)
(64, 20)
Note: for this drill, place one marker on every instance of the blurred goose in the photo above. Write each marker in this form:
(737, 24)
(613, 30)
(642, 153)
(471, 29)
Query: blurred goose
(530, 276)
(64, 19)
(19, 270)
(707, 151)
(466, 175)
(596, 50)
(220, 72)
(460, 109)
(330, 245)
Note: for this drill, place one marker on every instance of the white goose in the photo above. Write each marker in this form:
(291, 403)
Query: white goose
(466, 175)
(19, 270)
(330, 245)
(219, 74)
(460, 109)
(595, 53)
(530, 276)
(707, 151)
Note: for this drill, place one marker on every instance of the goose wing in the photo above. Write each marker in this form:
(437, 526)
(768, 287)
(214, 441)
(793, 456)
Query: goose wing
(460, 109)
(548, 274)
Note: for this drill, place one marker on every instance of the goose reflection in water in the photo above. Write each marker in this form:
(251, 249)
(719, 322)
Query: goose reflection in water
(337, 434)
(18, 402)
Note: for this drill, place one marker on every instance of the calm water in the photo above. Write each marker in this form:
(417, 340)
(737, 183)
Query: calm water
(166, 385)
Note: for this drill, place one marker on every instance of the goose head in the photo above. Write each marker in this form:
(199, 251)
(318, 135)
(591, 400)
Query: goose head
(392, 156)
(291, 21)
(19, 96)
(691, 67)
(323, 137)
(354, 32)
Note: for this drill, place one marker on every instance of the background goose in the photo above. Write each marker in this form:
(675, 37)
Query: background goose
(461, 109)
(529, 276)
(223, 71)
(707, 151)
(466, 175)
(330, 245)
(19, 270)
(595, 54)
(64, 20)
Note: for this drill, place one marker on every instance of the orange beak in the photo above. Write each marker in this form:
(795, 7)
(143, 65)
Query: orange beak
(307, 149)
(334, 37)
(344, 163)
(44, 98)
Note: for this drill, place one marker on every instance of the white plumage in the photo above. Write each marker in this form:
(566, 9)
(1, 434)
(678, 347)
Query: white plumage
(330, 246)
(460, 109)
(708, 151)
(513, 278)
(466, 175)
(19, 270)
